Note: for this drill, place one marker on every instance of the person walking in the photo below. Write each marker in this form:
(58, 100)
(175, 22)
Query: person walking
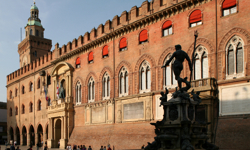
(45, 147)
(104, 148)
(89, 148)
(101, 148)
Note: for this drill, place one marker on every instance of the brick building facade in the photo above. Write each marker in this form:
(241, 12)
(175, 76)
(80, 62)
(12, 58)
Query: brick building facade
(112, 76)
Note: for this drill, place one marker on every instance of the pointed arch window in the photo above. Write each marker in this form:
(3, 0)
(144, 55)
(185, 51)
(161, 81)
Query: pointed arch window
(123, 44)
(167, 28)
(39, 105)
(195, 18)
(78, 62)
(38, 83)
(10, 94)
(10, 113)
(91, 59)
(31, 107)
(91, 90)
(31, 86)
(16, 92)
(229, 7)
(123, 82)
(145, 77)
(48, 79)
(16, 110)
(23, 109)
(105, 51)
(200, 68)
(106, 86)
(23, 89)
(168, 73)
(235, 58)
(143, 37)
(78, 93)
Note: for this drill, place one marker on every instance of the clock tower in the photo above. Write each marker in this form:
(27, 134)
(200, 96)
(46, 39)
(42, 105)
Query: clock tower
(34, 45)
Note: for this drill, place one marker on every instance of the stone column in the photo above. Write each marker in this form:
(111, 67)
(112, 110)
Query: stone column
(62, 128)
(21, 139)
(15, 138)
(44, 138)
(28, 139)
(65, 127)
(36, 138)
(70, 86)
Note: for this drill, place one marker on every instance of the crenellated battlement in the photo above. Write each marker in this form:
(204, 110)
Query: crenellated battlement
(148, 10)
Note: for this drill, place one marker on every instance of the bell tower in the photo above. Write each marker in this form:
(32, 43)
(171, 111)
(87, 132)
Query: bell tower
(34, 45)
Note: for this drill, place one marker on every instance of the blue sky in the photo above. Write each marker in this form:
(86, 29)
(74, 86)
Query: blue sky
(63, 21)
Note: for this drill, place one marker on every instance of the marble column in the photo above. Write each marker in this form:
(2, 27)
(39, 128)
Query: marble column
(36, 138)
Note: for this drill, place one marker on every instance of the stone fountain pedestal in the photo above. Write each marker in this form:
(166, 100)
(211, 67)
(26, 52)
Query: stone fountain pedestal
(179, 129)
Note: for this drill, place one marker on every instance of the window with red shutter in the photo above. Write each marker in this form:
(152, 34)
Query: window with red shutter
(91, 57)
(195, 18)
(229, 7)
(78, 62)
(123, 44)
(143, 36)
(167, 28)
(105, 51)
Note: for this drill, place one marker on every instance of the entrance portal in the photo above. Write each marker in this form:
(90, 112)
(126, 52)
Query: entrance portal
(24, 133)
(58, 132)
(40, 133)
(11, 134)
(32, 135)
(17, 136)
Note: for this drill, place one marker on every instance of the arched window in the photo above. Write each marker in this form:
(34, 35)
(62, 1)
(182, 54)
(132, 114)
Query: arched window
(38, 83)
(23, 109)
(78, 62)
(91, 90)
(39, 105)
(143, 37)
(31, 32)
(105, 86)
(23, 89)
(235, 58)
(78, 93)
(195, 18)
(200, 68)
(31, 86)
(10, 111)
(168, 73)
(105, 51)
(167, 28)
(16, 92)
(91, 59)
(10, 94)
(145, 77)
(123, 44)
(229, 7)
(31, 107)
(123, 82)
(16, 110)
(48, 79)
(37, 33)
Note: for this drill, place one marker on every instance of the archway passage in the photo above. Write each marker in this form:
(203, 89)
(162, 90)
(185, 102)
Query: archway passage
(58, 131)
(24, 133)
(32, 135)
(40, 133)
(11, 132)
(17, 136)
